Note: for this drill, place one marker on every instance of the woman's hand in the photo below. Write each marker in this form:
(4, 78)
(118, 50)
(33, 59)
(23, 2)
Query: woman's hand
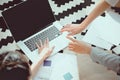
(78, 46)
(72, 29)
(43, 48)
(45, 51)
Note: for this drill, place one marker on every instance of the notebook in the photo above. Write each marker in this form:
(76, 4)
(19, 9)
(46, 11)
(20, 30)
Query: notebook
(32, 20)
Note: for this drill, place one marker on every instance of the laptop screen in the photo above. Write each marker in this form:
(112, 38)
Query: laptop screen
(28, 17)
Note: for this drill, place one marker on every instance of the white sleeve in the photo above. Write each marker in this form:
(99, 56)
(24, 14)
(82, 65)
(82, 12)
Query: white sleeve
(112, 2)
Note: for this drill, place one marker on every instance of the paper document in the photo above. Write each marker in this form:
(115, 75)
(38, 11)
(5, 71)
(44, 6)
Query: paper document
(94, 38)
(108, 29)
(59, 67)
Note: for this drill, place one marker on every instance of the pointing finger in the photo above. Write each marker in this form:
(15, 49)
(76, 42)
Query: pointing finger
(72, 39)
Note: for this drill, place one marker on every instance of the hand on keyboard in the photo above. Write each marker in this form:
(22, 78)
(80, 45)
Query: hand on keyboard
(43, 49)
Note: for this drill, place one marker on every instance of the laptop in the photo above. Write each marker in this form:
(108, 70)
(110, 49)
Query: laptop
(31, 21)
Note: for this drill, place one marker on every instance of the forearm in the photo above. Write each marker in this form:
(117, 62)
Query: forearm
(43, 55)
(111, 61)
(35, 67)
(98, 10)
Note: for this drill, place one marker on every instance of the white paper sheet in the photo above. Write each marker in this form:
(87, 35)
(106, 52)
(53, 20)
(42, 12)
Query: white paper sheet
(93, 37)
(108, 28)
(61, 64)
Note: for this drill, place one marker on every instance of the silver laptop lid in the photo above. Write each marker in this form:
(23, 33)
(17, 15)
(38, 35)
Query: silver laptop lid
(28, 17)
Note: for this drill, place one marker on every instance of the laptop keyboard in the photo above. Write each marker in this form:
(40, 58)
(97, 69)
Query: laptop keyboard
(50, 33)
